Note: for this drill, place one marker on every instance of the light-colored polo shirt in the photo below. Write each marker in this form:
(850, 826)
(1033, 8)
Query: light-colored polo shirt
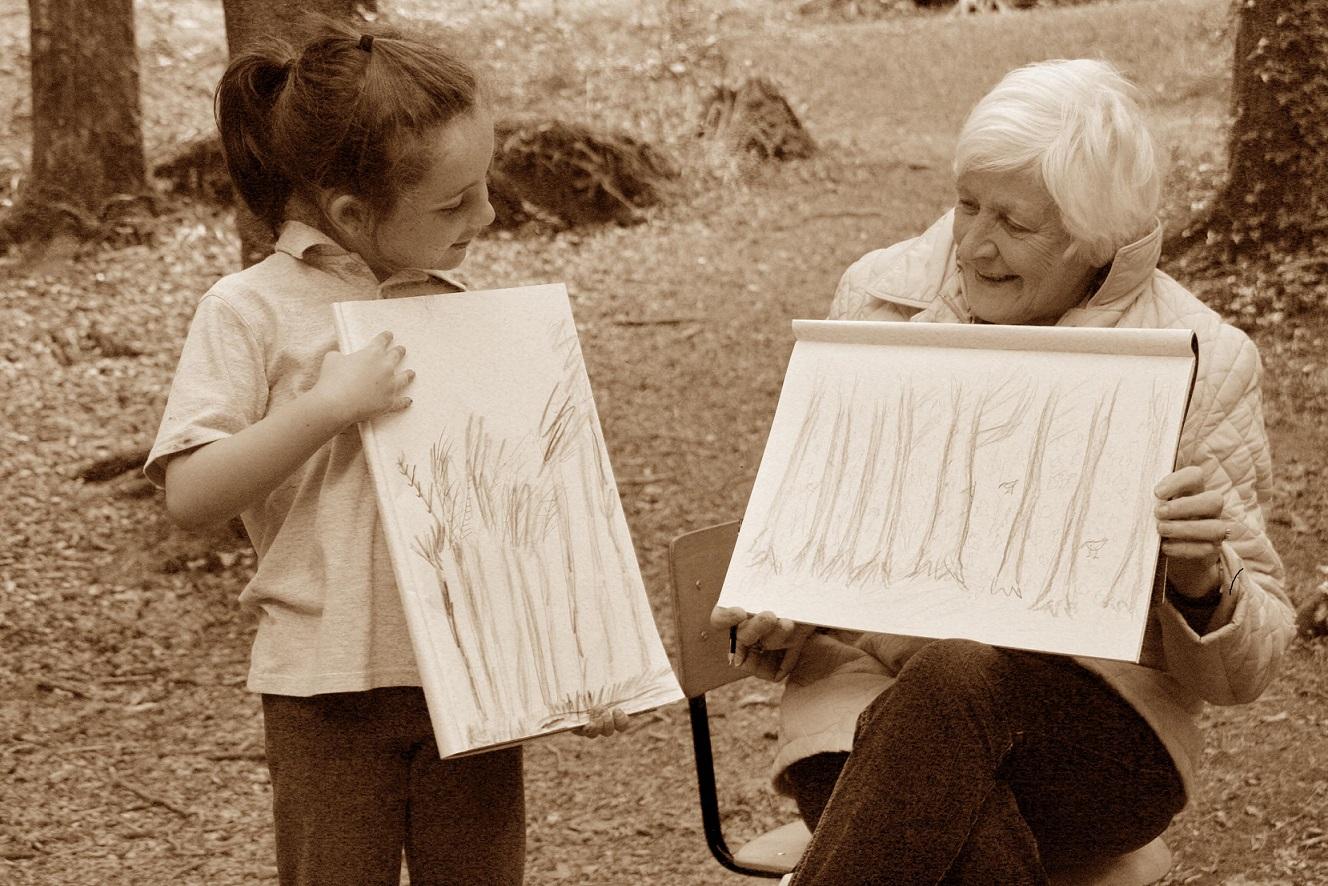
(329, 616)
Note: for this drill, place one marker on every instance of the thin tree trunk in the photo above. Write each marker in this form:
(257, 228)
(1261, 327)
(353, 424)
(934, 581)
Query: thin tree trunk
(87, 139)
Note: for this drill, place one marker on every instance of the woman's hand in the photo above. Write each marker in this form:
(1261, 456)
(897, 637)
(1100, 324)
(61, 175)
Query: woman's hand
(603, 721)
(1189, 519)
(366, 383)
(767, 646)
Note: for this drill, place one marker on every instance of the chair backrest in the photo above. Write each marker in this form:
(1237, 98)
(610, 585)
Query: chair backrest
(698, 561)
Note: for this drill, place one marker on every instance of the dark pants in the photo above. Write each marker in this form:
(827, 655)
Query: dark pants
(982, 766)
(356, 778)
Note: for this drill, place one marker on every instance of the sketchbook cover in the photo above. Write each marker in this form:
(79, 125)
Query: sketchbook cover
(993, 483)
(518, 577)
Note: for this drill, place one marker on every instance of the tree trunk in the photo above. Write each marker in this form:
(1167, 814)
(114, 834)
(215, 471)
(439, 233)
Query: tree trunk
(87, 139)
(1276, 194)
(249, 22)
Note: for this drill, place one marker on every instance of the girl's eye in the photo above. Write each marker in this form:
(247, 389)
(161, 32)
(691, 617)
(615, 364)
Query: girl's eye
(968, 206)
(450, 206)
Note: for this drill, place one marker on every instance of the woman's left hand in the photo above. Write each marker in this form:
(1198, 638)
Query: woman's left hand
(603, 721)
(1189, 519)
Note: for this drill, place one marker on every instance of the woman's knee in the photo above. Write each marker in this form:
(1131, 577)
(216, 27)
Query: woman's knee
(954, 664)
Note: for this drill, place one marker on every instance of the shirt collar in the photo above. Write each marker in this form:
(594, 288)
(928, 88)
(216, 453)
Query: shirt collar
(308, 244)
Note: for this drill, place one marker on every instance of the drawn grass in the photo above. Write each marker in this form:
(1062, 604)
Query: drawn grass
(530, 572)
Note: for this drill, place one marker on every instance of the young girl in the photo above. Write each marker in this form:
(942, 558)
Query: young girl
(368, 155)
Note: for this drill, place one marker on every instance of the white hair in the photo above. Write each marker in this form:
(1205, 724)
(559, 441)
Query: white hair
(1076, 123)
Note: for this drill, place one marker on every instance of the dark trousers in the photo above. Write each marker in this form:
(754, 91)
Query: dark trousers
(984, 766)
(356, 778)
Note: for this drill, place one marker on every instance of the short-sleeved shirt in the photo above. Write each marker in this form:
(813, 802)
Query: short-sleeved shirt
(329, 615)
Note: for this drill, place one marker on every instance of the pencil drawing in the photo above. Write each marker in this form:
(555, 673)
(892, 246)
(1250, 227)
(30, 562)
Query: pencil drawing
(506, 529)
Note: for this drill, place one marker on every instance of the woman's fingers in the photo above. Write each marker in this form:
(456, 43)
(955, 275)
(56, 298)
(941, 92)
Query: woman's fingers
(1191, 507)
(1211, 531)
(1187, 481)
(794, 651)
(724, 617)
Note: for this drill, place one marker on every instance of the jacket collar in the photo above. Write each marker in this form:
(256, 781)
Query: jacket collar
(1131, 267)
(306, 243)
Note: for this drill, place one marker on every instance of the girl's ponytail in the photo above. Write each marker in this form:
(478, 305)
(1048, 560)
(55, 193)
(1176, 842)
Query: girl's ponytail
(246, 96)
(345, 112)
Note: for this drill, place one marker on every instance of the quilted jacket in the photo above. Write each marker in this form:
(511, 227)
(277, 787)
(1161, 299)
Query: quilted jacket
(840, 672)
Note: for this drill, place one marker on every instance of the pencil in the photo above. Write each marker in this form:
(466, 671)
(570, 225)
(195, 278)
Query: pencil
(733, 644)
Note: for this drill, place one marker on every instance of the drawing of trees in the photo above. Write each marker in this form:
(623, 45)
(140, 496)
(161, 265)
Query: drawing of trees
(522, 540)
(881, 489)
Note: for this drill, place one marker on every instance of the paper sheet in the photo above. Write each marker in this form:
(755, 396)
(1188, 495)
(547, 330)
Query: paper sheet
(993, 483)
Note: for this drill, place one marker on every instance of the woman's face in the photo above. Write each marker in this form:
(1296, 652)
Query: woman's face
(1013, 251)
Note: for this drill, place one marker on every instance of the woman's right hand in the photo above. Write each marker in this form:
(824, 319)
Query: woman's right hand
(767, 646)
(366, 383)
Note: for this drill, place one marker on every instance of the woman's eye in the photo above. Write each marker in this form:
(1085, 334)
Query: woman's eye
(1015, 228)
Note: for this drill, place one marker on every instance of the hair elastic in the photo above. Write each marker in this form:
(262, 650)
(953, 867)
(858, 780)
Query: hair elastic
(366, 42)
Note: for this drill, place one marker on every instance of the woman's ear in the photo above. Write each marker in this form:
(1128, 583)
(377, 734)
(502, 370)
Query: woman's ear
(349, 215)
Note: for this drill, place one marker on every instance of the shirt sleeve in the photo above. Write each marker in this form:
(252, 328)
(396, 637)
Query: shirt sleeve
(220, 385)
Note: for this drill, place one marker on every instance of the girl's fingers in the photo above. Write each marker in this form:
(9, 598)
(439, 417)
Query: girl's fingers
(1186, 481)
(619, 720)
(400, 403)
(382, 339)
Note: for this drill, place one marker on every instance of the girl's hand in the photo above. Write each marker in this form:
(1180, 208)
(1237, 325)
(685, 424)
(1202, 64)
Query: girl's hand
(767, 646)
(1190, 521)
(603, 721)
(365, 383)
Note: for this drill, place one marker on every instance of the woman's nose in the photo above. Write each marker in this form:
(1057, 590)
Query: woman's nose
(976, 241)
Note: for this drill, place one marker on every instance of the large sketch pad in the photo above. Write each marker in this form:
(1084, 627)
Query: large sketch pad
(517, 573)
(987, 482)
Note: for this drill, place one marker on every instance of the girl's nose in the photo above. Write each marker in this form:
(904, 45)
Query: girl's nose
(487, 214)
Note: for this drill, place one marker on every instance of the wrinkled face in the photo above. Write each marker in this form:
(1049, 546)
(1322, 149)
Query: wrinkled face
(433, 222)
(1013, 250)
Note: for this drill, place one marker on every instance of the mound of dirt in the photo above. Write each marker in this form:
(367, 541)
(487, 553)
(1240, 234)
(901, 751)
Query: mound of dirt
(573, 174)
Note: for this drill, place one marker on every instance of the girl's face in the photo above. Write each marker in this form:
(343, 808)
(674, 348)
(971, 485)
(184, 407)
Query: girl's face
(1013, 251)
(434, 221)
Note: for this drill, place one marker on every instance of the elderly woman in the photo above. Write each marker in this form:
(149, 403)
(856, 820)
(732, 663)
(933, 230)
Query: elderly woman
(952, 761)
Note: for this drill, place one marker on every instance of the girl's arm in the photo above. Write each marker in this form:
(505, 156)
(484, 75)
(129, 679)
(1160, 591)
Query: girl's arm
(216, 481)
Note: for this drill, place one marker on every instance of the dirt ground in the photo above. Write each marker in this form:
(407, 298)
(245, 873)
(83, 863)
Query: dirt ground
(129, 750)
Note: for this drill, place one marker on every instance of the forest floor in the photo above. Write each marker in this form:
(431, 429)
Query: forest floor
(129, 750)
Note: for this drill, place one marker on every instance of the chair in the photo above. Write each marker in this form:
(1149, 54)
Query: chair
(698, 561)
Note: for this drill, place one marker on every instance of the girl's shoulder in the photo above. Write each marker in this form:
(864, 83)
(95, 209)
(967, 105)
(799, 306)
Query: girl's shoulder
(279, 284)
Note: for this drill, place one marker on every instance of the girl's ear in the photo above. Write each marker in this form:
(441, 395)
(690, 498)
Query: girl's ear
(349, 215)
